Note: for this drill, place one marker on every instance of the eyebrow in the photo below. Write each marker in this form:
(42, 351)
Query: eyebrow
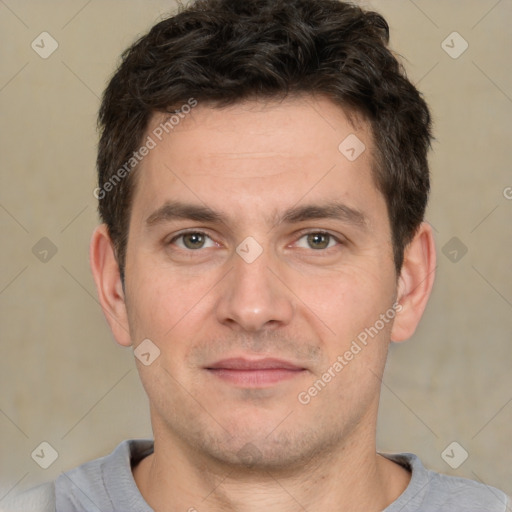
(332, 210)
(177, 210)
(173, 210)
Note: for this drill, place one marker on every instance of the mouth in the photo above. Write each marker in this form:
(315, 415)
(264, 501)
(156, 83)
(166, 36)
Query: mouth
(254, 373)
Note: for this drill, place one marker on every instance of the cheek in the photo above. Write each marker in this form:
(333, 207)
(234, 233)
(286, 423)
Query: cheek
(352, 305)
(162, 301)
(349, 299)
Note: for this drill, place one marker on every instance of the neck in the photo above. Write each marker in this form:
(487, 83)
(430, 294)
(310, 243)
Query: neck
(350, 477)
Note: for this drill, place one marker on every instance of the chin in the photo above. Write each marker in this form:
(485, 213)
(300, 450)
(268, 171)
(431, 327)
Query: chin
(265, 448)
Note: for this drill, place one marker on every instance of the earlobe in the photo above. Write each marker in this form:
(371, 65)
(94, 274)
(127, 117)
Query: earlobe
(105, 270)
(415, 282)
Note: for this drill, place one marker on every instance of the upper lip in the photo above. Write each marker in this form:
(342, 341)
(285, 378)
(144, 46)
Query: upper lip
(240, 363)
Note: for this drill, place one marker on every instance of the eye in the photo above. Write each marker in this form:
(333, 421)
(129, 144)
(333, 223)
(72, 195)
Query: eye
(192, 240)
(318, 240)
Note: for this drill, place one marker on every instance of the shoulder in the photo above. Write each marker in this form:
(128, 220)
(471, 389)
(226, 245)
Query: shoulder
(107, 482)
(98, 478)
(37, 499)
(453, 492)
(430, 491)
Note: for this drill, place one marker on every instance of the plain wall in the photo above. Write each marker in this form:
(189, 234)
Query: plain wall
(65, 381)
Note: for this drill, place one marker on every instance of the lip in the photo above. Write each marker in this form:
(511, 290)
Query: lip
(241, 363)
(254, 372)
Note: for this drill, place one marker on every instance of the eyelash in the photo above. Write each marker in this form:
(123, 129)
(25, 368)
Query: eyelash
(301, 235)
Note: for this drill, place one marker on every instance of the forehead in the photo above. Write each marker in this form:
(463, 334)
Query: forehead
(298, 125)
(269, 152)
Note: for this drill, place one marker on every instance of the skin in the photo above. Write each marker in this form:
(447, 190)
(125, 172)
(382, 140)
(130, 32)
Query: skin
(230, 447)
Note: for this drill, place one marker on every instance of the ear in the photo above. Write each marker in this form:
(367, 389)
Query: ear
(415, 282)
(105, 271)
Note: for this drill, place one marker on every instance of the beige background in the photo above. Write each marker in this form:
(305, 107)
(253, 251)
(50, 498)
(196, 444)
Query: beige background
(62, 378)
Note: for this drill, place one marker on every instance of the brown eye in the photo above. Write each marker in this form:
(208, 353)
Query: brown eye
(193, 240)
(318, 240)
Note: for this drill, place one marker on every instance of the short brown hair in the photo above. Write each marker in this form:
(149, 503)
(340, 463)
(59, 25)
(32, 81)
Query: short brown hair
(226, 51)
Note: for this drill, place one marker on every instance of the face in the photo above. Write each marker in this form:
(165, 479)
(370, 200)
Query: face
(259, 262)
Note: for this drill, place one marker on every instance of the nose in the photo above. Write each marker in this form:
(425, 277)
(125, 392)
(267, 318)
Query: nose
(253, 296)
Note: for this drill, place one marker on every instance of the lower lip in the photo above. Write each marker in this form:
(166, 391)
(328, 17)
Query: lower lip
(255, 378)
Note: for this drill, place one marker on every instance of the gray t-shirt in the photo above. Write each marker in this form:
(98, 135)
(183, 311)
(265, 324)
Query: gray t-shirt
(107, 485)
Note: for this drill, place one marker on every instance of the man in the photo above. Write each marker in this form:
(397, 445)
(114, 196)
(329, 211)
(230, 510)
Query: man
(263, 180)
